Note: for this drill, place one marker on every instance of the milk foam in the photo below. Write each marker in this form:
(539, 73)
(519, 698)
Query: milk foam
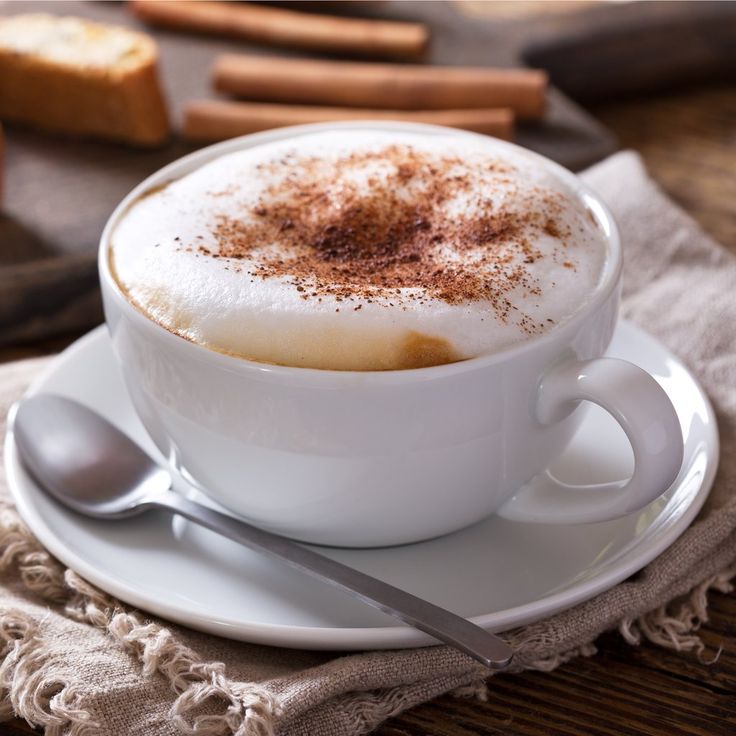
(167, 253)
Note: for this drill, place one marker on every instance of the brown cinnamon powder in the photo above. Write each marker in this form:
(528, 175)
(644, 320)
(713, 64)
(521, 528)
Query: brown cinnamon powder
(330, 234)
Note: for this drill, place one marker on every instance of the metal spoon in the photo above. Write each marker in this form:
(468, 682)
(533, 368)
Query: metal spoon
(93, 468)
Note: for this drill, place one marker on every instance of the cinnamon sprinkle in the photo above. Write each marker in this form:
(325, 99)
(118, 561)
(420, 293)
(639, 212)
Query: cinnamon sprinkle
(331, 235)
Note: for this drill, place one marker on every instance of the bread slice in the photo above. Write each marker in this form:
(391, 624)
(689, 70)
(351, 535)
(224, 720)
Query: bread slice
(69, 75)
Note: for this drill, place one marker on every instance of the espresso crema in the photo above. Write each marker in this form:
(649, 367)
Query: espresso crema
(361, 250)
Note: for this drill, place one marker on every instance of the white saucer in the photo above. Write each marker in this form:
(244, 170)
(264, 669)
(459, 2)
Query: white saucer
(499, 573)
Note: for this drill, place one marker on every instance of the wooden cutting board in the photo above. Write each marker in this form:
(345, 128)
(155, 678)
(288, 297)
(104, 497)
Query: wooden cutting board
(59, 192)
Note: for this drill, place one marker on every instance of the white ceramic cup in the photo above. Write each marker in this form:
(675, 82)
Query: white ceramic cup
(378, 458)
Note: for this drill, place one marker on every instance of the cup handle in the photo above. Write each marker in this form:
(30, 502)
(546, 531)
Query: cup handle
(644, 411)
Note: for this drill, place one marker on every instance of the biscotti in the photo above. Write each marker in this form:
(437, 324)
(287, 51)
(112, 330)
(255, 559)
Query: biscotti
(70, 75)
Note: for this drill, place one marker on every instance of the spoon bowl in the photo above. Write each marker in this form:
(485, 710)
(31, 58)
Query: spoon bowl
(84, 462)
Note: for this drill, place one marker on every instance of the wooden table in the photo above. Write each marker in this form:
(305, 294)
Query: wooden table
(688, 140)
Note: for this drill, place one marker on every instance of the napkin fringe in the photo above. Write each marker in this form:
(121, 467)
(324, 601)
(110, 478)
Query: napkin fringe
(362, 710)
(671, 626)
(20, 551)
(29, 684)
(674, 625)
(248, 708)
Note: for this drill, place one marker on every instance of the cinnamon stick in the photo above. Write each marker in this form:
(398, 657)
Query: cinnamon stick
(290, 28)
(387, 86)
(211, 120)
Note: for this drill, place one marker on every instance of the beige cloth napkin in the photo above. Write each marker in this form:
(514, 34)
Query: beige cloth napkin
(80, 663)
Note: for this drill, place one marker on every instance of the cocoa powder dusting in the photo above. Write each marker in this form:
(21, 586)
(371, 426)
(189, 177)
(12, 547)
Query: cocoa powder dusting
(332, 235)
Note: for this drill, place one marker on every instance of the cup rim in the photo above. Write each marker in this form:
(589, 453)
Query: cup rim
(609, 279)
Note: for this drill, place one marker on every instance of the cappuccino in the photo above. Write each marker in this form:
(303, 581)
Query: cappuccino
(361, 250)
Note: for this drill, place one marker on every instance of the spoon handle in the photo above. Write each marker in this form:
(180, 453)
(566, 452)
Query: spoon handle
(448, 627)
